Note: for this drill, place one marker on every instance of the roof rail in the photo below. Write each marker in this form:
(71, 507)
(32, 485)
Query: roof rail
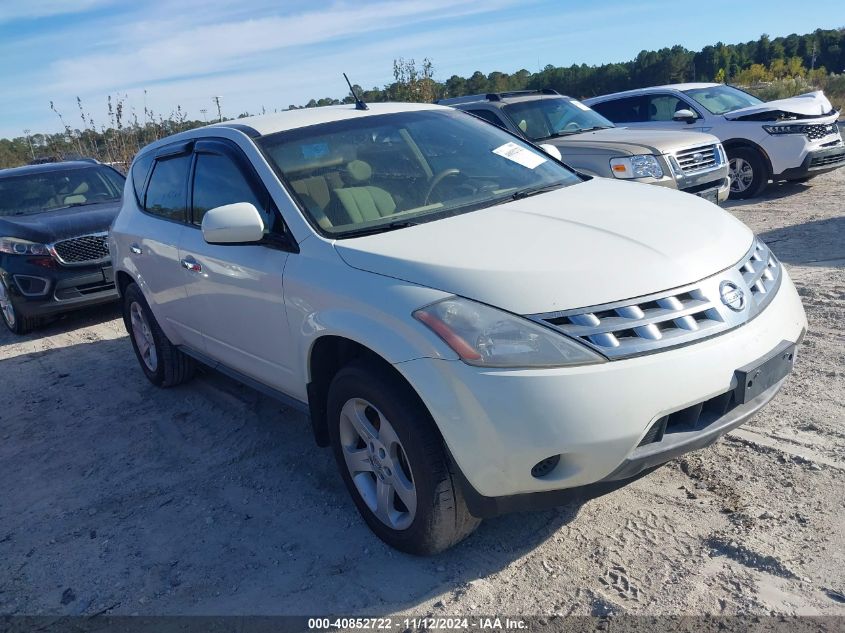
(496, 96)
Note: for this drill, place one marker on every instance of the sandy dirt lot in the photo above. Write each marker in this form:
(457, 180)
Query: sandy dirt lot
(117, 497)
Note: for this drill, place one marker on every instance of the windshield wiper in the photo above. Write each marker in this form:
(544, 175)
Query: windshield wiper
(382, 228)
(533, 191)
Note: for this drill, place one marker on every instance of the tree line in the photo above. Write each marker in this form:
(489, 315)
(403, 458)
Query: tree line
(771, 68)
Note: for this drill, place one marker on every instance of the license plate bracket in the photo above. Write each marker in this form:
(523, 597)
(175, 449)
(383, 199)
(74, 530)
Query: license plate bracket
(711, 194)
(757, 377)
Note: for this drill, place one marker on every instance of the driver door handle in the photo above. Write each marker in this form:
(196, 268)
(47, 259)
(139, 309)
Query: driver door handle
(189, 263)
(136, 250)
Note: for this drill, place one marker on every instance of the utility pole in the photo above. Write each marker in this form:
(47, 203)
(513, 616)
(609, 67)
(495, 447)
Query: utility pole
(219, 112)
(29, 140)
(204, 112)
(813, 61)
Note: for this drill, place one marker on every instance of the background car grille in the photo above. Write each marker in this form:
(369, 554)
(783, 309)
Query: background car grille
(676, 317)
(86, 249)
(698, 158)
(816, 131)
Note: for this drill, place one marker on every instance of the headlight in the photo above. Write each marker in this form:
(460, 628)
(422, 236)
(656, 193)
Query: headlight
(639, 166)
(15, 246)
(487, 337)
(784, 129)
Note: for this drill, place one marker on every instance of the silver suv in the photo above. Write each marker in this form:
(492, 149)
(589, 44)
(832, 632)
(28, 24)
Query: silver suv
(690, 161)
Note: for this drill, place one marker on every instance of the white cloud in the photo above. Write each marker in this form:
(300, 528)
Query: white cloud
(147, 55)
(33, 9)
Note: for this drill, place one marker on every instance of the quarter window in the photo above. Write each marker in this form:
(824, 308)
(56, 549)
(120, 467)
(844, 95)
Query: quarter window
(140, 169)
(167, 192)
(218, 181)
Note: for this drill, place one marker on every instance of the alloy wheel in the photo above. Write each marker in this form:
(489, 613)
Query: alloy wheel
(143, 336)
(6, 307)
(378, 463)
(741, 173)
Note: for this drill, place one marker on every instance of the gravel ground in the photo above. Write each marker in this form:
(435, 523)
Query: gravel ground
(121, 498)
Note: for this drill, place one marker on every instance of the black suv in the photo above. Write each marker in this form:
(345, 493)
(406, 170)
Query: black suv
(54, 221)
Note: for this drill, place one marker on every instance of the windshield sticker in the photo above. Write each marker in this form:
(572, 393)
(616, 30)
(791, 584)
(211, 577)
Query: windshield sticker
(314, 150)
(580, 105)
(517, 154)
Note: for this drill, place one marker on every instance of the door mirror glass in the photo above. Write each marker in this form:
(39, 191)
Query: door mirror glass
(236, 223)
(685, 115)
(551, 150)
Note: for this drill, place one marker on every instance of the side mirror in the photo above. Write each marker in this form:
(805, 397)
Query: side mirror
(685, 115)
(551, 150)
(236, 223)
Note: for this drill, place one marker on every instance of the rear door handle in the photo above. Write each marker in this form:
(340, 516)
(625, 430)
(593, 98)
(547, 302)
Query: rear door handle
(135, 249)
(189, 263)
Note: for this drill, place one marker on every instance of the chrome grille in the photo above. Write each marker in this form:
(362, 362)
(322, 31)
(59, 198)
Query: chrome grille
(698, 158)
(86, 249)
(675, 317)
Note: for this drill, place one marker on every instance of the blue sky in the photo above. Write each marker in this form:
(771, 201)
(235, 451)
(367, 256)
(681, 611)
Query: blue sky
(271, 53)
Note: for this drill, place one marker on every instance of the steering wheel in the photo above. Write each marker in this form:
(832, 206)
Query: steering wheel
(572, 125)
(437, 179)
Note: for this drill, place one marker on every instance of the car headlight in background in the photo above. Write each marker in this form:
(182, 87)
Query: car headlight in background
(487, 337)
(784, 129)
(15, 246)
(639, 166)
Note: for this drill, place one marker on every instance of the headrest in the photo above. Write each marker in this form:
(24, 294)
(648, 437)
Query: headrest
(82, 188)
(359, 170)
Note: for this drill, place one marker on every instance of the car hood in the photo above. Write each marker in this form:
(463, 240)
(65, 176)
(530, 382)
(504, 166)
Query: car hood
(620, 140)
(52, 226)
(811, 104)
(591, 243)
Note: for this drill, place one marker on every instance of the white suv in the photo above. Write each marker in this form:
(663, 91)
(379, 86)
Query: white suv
(787, 139)
(470, 325)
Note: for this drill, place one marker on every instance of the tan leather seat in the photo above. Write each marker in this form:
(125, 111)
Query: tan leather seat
(366, 202)
(78, 196)
(315, 191)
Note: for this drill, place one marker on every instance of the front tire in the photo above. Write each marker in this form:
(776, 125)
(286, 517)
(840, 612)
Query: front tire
(12, 318)
(748, 173)
(393, 461)
(161, 361)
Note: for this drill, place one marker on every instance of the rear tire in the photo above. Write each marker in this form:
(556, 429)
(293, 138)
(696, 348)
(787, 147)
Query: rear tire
(748, 173)
(163, 363)
(12, 318)
(399, 477)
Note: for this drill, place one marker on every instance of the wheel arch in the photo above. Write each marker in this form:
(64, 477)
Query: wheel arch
(123, 279)
(327, 356)
(734, 143)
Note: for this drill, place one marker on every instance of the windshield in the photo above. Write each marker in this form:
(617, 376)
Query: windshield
(540, 119)
(37, 192)
(382, 172)
(721, 99)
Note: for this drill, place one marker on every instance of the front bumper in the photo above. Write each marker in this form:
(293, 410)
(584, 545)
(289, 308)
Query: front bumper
(48, 288)
(498, 424)
(816, 162)
(712, 184)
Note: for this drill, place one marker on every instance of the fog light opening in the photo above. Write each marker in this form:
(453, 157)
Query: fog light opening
(545, 466)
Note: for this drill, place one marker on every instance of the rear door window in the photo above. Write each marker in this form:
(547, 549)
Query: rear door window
(489, 116)
(627, 110)
(167, 193)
